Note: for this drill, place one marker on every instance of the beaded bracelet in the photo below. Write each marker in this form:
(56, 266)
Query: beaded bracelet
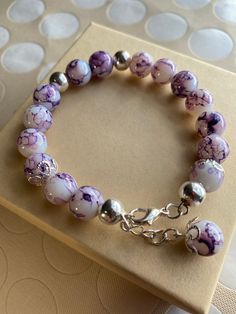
(202, 237)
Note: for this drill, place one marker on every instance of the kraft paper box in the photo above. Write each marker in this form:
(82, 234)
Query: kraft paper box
(135, 142)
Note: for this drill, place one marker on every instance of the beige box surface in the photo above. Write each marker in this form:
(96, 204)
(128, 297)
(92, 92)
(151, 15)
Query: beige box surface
(134, 141)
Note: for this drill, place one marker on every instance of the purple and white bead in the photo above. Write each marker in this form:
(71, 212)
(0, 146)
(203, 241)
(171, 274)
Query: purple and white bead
(60, 188)
(198, 101)
(183, 83)
(213, 147)
(38, 117)
(210, 123)
(47, 95)
(31, 141)
(209, 173)
(163, 71)
(141, 64)
(86, 202)
(39, 167)
(204, 238)
(78, 72)
(101, 63)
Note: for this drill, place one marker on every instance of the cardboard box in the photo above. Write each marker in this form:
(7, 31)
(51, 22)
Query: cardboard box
(135, 142)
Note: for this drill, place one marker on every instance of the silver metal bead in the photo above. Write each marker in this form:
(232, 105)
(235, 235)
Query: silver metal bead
(122, 60)
(111, 212)
(192, 193)
(60, 80)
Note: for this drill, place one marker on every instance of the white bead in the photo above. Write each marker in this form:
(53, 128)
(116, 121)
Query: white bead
(31, 141)
(86, 202)
(198, 101)
(163, 71)
(204, 238)
(60, 188)
(209, 173)
(38, 117)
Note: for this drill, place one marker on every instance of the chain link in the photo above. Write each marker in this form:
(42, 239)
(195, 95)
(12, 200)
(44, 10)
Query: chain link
(136, 225)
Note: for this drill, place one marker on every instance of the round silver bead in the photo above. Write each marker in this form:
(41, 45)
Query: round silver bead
(60, 80)
(111, 211)
(122, 60)
(192, 193)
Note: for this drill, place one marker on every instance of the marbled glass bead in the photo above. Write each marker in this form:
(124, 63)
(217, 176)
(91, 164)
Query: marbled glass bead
(198, 101)
(86, 202)
(60, 188)
(209, 173)
(163, 71)
(141, 64)
(210, 123)
(39, 167)
(47, 94)
(38, 117)
(204, 238)
(101, 63)
(78, 72)
(183, 83)
(31, 141)
(213, 147)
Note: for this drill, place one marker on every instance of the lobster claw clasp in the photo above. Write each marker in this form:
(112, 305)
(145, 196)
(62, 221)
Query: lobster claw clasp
(150, 215)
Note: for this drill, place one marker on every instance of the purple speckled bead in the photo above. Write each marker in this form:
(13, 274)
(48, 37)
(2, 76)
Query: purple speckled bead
(31, 141)
(213, 147)
(141, 64)
(198, 101)
(38, 117)
(210, 123)
(60, 188)
(207, 172)
(163, 71)
(86, 202)
(183, 83)
(47, 95)
(39, 167)
(78, 72)
(101, 63)
(204, 238)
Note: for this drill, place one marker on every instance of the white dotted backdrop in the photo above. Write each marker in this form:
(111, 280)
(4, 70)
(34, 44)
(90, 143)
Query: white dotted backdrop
(34, 35)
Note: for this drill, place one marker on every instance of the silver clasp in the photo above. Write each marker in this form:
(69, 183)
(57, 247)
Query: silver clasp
(150, 215)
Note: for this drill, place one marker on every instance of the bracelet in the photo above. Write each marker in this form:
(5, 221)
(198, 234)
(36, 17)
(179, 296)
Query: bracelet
(201, 236)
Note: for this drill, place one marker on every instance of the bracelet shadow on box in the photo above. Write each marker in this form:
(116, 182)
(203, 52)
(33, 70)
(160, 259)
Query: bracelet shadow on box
(134, 141)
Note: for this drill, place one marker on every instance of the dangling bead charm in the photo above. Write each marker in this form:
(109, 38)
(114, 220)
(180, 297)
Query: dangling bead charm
(39, 167)
(204, 238)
